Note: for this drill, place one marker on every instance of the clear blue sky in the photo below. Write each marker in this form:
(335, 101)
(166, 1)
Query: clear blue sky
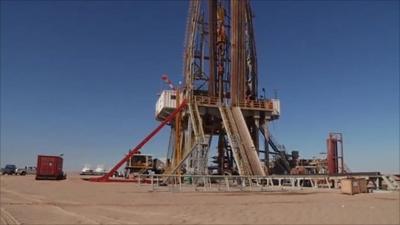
(82, 77)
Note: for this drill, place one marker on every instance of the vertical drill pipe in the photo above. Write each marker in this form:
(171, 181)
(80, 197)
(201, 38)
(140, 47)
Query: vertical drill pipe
(238, 53)
(142, 143)
(253, 52)
(234, 50)
(220, 50)
(212, 15)
(241, 54)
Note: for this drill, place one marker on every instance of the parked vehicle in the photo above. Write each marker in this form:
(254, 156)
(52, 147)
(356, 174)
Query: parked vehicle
(31, 170)
(86, 170)
(10, 169)
(100, 170)
(25, 171)
(20, 171)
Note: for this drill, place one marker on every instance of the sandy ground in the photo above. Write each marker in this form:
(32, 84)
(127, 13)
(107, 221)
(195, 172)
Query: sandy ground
(74, 201)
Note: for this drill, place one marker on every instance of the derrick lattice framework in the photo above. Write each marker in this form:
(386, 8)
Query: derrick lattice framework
(221, 88)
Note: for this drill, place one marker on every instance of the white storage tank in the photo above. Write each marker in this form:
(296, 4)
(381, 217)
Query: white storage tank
(166, 104)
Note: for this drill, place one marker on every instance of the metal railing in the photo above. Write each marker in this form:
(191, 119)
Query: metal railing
(250, 104)
(206, 100)
(235, 183)
(257, 104)
(219, 183)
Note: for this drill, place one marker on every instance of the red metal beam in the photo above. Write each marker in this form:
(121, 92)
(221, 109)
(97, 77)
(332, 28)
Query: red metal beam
(135, 150)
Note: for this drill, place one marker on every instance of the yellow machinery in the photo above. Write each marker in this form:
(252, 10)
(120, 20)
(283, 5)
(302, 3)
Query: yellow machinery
(139, 163)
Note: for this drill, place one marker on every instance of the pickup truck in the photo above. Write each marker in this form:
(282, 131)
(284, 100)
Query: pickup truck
(11, 169)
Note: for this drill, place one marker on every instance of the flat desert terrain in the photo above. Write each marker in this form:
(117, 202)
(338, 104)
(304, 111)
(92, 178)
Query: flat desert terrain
(75, 201)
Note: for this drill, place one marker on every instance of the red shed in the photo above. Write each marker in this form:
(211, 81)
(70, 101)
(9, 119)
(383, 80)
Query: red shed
(49, 168)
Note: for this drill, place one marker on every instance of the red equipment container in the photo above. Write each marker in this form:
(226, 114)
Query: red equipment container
(49, 168)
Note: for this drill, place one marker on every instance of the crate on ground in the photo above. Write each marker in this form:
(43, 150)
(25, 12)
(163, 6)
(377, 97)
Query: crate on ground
(362, 184)
(350, 186)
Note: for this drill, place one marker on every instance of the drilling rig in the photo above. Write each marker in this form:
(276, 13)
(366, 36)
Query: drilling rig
(219, 100)
(220, 86)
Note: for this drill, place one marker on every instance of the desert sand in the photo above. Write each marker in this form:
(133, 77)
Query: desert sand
(74, 201)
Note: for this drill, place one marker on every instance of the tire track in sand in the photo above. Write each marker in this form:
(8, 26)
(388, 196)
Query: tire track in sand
(7, 218)
(83, 219)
